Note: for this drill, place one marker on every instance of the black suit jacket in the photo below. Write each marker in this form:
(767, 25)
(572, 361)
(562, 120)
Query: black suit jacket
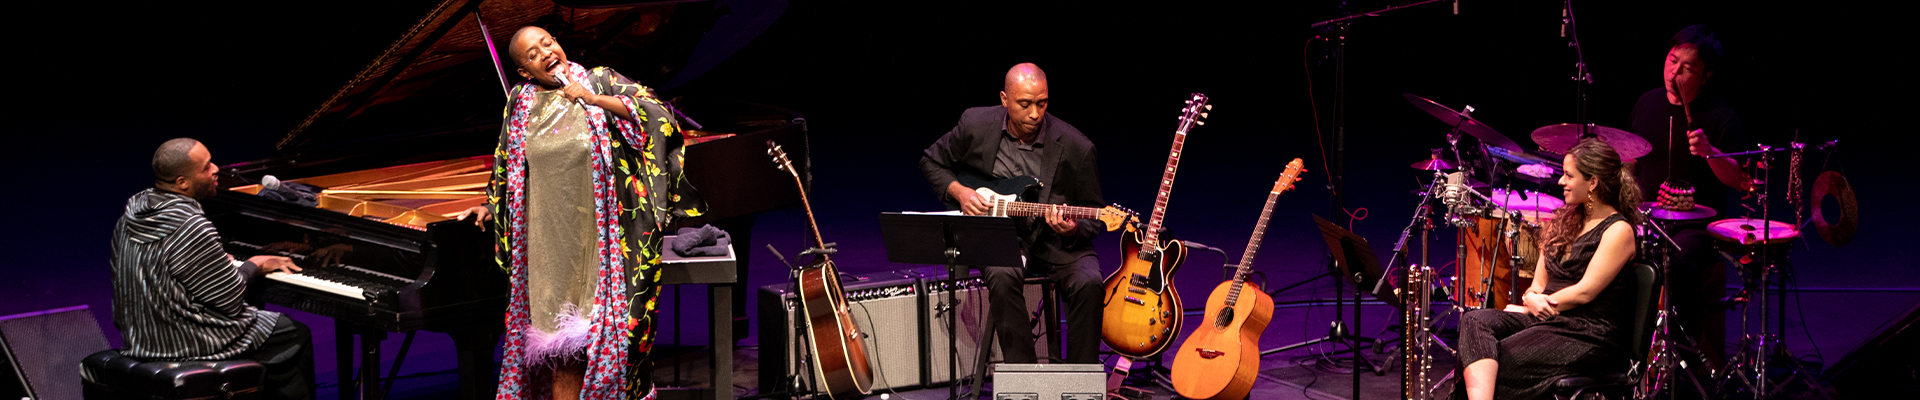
(1071, 177)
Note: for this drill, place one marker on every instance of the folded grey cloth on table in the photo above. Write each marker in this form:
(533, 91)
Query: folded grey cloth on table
(703, 241)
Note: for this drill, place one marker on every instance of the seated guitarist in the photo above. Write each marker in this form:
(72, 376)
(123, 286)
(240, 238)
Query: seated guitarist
(1018, 138)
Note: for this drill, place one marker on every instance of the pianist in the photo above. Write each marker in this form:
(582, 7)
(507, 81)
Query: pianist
(586, 180)
(177, 294)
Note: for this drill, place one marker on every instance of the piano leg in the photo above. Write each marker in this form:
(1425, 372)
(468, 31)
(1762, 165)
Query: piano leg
(343, 356)
(475, 350)
(370, 363)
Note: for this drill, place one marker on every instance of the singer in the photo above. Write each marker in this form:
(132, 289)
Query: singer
(1574, 317)
(580, 317)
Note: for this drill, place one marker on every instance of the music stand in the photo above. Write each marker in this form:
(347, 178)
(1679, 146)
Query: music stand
(1355, 262)
(955, 241)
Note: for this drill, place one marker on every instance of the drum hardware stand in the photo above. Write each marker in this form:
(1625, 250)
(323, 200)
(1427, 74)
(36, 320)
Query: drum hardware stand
(1422, 221)
(1666, 360)
(1757, 349)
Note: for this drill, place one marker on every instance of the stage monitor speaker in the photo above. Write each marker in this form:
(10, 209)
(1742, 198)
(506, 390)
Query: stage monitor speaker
(1884, 366)
(1049, 382)
(43, 351)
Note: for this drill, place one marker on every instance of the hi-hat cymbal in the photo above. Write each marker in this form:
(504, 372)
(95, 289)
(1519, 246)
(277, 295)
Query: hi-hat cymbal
(1698, 212)
(1433, 165)
(1559, 138)
(1465, 122)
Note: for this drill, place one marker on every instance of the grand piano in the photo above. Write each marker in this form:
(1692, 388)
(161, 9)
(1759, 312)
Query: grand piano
(406, 145)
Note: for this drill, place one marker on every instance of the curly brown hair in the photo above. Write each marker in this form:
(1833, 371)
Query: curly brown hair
(1617, 188)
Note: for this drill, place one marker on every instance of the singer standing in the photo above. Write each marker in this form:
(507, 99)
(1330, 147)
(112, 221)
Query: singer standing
(1685, 122)
(586, 179)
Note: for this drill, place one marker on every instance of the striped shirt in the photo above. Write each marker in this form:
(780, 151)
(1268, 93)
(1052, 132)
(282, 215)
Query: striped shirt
(177, 295)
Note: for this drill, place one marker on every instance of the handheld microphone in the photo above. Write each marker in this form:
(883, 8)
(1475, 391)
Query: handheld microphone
(563, 84)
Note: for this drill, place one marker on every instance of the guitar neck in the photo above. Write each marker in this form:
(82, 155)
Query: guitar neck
(1282, 185)
(1024, 209)
(1166, 188)
(818, 241)
(1253, 246)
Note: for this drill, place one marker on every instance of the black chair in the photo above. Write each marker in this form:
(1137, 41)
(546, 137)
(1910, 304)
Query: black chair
(108, 375)
(1619, 385)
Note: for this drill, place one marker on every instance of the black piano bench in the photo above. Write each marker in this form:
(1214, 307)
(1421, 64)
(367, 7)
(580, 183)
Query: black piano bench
(109, 375)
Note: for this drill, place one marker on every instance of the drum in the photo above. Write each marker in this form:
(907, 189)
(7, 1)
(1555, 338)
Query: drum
(1484, 277)
(1534, 206)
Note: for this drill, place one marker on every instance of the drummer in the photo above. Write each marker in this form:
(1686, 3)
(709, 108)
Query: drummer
(1684, 122)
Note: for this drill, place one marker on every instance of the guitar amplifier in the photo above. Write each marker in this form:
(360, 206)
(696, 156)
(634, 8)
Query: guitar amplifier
(972, 296)
(906, 338)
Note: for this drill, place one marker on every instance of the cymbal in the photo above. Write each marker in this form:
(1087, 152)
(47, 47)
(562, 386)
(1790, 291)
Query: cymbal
(1751, 231)
(1433, 163)
(1698, 212)
(1559, 138)
(1467, 123)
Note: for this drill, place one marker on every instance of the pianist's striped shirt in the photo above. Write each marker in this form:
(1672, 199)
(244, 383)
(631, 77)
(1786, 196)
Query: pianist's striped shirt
(176, 292)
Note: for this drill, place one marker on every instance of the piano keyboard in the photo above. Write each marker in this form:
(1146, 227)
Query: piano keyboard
(344, 280)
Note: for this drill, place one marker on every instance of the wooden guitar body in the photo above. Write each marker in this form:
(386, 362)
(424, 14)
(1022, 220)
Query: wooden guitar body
(1141, 311)
(1222, 357)
(839, 353)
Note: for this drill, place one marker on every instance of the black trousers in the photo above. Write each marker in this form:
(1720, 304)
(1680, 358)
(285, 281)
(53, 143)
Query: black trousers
(1532, 353)
(288, 356)
(1077, 284)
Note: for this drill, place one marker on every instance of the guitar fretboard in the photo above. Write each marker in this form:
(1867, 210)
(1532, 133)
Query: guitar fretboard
(1166, 189)
(1023, 209)
(1282, 185)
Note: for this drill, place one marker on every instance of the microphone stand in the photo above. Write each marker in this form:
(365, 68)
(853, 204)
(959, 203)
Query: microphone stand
(1569, 28)
(1337, 184)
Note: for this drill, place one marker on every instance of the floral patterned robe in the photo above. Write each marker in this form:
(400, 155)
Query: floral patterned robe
(638, 189)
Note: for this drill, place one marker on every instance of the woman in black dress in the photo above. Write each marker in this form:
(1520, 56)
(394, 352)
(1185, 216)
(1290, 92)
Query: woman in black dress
(1573, 319)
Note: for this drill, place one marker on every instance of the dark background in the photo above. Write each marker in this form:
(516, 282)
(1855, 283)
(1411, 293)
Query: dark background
(100, 86)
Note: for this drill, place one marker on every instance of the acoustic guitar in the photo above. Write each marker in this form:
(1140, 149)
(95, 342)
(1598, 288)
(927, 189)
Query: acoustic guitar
(1141, 311)
(839, 357)
(1222, 357)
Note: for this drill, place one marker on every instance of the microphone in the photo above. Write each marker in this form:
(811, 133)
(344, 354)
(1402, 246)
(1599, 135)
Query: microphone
(1455, 181)
(563, 83)
(1563, 21)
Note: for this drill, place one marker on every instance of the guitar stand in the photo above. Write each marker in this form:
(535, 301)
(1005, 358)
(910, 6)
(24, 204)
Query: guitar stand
(795, 384)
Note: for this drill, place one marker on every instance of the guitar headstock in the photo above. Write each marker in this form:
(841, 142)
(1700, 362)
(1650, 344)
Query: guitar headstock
(1116, 216)
(780, 158)
(1196, 109)
(1291, 175)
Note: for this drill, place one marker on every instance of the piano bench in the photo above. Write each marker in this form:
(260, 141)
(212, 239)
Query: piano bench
(109, 375)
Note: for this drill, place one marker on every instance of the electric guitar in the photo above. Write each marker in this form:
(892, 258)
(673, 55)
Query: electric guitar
(1006, 195)
(1141, 311)
(1222, 357)
(839, 357)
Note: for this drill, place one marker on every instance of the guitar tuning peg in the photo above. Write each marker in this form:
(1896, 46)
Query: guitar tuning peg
(1189, 101)
(1209, 107)
(1199, 122)
(1203, 115)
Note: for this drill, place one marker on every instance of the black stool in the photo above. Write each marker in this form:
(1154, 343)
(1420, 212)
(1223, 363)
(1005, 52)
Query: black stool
(109, 375)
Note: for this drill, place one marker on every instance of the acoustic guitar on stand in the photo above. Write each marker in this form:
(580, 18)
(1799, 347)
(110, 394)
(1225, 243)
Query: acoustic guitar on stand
(839, 356)
(1141, 310)
(1222, 357)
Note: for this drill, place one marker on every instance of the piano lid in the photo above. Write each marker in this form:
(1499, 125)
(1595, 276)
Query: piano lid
(441, 73)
